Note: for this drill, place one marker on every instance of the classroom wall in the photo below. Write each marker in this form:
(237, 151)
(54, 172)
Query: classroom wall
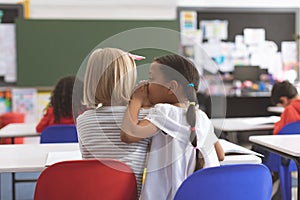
(48, 41)
(102, 9)
(134, 9)
(240, 3)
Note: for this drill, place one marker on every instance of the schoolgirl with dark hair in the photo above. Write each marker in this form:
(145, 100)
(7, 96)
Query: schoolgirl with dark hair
(59, 110)
(183, 138)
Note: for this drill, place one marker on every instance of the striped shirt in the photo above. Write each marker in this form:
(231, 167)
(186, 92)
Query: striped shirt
(99, 137)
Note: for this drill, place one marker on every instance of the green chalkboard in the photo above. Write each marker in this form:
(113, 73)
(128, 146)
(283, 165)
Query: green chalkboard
(50, 49)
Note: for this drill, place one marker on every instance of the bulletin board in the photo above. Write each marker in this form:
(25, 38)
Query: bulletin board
(281, 24)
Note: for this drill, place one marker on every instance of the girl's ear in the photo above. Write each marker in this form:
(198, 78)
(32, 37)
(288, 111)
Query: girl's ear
(173, 86)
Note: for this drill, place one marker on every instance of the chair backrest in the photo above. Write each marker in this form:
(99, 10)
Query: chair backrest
(8, 118)
(62, 133)
(290, 128)
(87, 179)
(234, 182)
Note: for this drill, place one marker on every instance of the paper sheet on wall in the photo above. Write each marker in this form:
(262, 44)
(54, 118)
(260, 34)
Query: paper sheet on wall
(24, 101)
(191, 37)
(276, 66)
(8, 52)
(5, 100)
(188, 20)
(43, 99)
(289, 51)
(214, 29)
(254, 36)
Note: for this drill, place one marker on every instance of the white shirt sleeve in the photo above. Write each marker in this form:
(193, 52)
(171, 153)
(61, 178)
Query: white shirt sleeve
(171, 121)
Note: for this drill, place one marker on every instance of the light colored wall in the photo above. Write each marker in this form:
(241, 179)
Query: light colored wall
(135, 9)
(103, 9)
(241, 3)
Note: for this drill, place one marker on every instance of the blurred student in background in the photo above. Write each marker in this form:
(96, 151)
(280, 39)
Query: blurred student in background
(59, 110)
(286, 95)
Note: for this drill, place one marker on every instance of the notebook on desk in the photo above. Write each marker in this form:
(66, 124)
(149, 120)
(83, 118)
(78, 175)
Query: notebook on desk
(262, 120)
(241, 159)
(233, 149)
(55, 157)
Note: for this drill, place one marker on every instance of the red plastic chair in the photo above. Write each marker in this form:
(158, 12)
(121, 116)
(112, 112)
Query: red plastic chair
(8, 118)
(87, 179)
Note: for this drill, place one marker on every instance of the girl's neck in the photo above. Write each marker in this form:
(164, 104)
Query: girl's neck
(181, 105)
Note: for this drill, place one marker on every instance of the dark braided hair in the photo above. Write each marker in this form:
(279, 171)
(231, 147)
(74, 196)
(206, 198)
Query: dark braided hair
(61, 98)
(186, 74)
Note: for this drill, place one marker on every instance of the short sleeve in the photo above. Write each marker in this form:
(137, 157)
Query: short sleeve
(170, 120)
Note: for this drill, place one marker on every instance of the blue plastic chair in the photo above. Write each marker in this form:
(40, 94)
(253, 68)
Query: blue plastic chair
(234, 182)
(284, 166)
(62, 133)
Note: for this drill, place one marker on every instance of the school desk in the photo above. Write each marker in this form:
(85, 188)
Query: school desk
(14, 130)
(241, 124)
(230, 126)
(284, 145)
(34, 157)
(275, 109)
(234, 154)
(28, 158)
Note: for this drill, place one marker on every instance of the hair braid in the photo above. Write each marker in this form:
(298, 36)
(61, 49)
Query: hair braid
(191, 119)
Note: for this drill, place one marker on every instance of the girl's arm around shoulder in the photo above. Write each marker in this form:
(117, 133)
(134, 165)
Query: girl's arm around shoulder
(220, 151)
(135, 133)
(132, 129)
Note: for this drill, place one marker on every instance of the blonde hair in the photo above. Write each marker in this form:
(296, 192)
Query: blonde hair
(110, 77)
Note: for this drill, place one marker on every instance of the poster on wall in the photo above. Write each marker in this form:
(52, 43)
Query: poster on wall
(5, 100)
(188, 20)
(24, 101)
(43, 99)
(8, 52)
(214, 29)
